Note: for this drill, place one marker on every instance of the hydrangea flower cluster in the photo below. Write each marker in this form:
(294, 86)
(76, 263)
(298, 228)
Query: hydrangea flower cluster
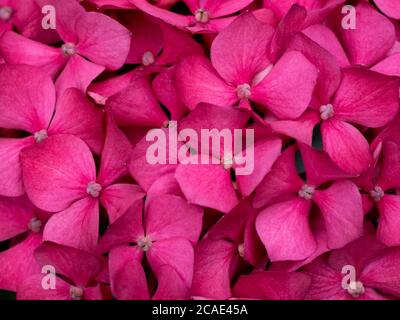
(85, 215)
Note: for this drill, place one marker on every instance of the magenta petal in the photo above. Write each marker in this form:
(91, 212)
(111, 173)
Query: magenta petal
(57, 171)
(389, 220)
(346, 146)
(319, 167)
(390, 8)
(383, 272)
(118, 198)
(31, 289)
(137, 105)
(285, 230)
(171, 286)
(211, 278)
(128, 279)
(372, 38)
(301, 129)
(207, 185)
(219, 8)
(83, 218)
(78, 73)
(239, 61)
(116, 153)
(27, 98)
(15, 215)
(167, 94)
(77, 265)
(17, 49)
(102, 40)
(366, 98)
(176, 252)
(266, 152)
(287, 90)
(10, 166)
(329, 71)
(169, 216)
(18, 262)
(341, 206)
(126, 229)
(281, 183)
(197, 81)
(389, 175)
(77, 116)
(169, 17)
(272, 285)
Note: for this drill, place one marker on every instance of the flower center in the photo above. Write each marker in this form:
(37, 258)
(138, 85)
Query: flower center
(148, 58)
(377, 193)
(144, 243)
(356, 289)
(306, 192)
(202, 16)
(76, 293)
(6, 13)
(243, 91)
(39, 136)
(241, 249)
(93, 189)
(35, 225)
(68, 49)
(326, 111)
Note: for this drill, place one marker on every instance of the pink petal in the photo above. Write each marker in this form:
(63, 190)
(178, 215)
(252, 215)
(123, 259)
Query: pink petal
(141, 170)
(116, 153)
(389, 220)
(169, 216)
(196, 81)
(102, 40)
(211, 278)
(207, 185)
(287, 90)
(27, 98)
(366, 98)
(136, 105)
(17, 49)
(319, 167)
(77, 116)
(389, 175)
(300, 129)
(341, 206)
(171, 286)
(175, 252)
(266, 152)
(219, 8)
(372, 38)
(285, 230)
(167, 94)
(390, 8)
(128, 279)
(146, 36)
(18, 263)
(57, 171)
(15, 215)
(78, 73)
(383, 272)
(79, 266)
(327, 39)
(76, 226)
(31, 289)
(10, 167)
(118, 198)
(126, 229)
(281, 183)
(238, 61)
(346, 146)
(329, 71)
(273, 285)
